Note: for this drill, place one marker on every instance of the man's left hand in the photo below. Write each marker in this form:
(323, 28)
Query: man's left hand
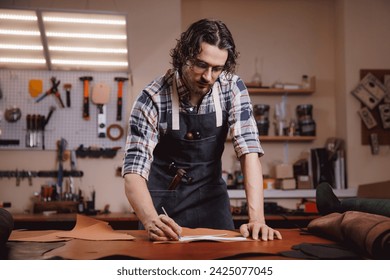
(256, 230)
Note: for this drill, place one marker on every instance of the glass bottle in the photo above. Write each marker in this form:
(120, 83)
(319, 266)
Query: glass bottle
(305, 82)
(256, 79)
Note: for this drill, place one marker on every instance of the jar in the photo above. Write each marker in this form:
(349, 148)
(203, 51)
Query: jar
(306, 124)
(305, 82)
(261, 111)
(263, 126)
(304, 112)
(307, 128)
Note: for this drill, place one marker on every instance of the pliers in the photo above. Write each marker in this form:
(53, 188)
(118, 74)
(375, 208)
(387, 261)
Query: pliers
(53, 90)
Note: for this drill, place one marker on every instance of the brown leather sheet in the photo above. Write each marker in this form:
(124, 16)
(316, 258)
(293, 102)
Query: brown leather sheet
(142, 248)
(94, 239)
(86, 228)
(36, 236)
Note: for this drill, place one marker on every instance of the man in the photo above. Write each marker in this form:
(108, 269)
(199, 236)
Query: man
(178, 126)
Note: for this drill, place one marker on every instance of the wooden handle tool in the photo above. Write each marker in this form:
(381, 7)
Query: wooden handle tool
(120, 81)
(86, 81)
(67, 88)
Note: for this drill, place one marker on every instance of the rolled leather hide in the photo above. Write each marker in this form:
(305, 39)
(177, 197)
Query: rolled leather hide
(6, 226)
(368, 233)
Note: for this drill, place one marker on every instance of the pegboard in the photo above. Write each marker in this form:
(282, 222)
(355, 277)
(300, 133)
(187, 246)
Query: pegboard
(68, 122)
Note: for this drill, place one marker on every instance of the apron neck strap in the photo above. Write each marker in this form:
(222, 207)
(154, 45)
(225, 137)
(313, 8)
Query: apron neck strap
(175, 105)
(217, 104)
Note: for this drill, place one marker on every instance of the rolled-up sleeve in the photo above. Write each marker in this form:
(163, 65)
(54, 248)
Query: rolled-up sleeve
(142, 137)
(243, 127)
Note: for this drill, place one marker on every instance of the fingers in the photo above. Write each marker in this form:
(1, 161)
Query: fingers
(163, 229)
(270, 234)
(244, 230)
(251, 230)
(255, 230)
(278, 234)
(171, 227)
(157, 235)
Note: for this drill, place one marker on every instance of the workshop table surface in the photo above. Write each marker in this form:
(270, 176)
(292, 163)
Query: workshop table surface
(142, 248)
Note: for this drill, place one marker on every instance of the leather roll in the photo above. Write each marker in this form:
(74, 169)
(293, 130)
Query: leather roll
(6, 226)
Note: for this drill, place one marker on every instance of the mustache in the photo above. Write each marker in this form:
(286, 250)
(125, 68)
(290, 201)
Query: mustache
(204, 82)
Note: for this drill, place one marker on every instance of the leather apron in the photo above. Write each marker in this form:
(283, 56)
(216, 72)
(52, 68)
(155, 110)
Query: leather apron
(203, 202)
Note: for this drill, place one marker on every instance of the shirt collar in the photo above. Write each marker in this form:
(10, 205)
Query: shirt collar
(183, 92)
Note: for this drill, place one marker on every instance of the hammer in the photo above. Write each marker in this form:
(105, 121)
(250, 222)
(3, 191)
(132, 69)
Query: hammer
(120, 81)
(180, 174)
(85, 81)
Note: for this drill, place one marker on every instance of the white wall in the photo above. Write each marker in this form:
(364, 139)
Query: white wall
(367, 45)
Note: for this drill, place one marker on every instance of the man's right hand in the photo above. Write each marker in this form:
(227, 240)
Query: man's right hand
(163, 228)
(159, 227)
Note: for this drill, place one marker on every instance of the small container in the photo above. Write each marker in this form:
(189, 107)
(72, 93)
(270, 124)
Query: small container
(306, 124)
(280, 127)
(261, 111)
(269, 183)
(304, 112)
(263, 126)
(305, 82)
(307, 128)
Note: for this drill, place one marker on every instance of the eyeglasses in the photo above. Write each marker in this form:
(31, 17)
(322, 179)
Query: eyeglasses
(199, 67)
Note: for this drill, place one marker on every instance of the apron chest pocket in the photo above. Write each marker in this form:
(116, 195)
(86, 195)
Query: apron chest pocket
(163, 198)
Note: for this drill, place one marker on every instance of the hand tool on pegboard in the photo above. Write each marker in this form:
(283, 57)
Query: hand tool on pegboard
(29, 133)
(1, 93)
(45, 121)
(41, 128)
(53, 90)
(86, 80)
(101, 96)
(120, 81)
(34, 130)
(67, 88)
(35, 87)
(60, 176)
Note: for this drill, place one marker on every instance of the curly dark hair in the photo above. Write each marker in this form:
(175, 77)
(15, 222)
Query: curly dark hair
(213, 32)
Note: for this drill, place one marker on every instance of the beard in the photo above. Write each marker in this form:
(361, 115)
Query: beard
(196, 86)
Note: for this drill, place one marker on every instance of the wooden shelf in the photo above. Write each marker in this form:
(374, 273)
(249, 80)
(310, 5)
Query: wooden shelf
(277, 91)
(265, 138)
(310, 193)
(281, 91)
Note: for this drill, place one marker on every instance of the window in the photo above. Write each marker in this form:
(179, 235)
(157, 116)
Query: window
(55, 40)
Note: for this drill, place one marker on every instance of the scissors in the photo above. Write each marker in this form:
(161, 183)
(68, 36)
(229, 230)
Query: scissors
(52, 90)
